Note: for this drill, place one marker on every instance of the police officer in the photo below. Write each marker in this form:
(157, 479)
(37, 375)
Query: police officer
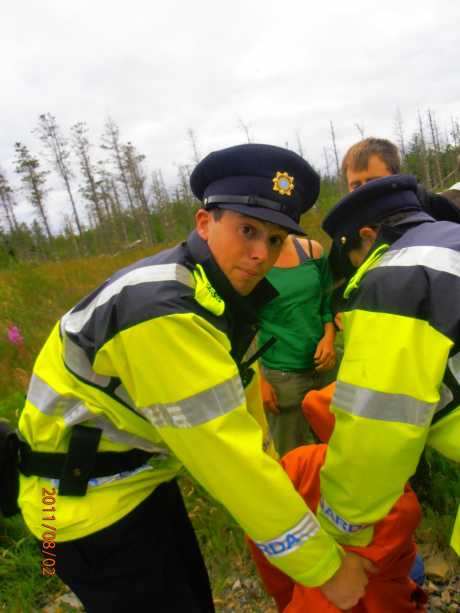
(398, 386)
(151, 365)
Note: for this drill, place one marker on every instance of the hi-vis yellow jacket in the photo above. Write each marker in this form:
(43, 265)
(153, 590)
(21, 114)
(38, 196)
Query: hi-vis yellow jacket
(398, 386)
(152, 359)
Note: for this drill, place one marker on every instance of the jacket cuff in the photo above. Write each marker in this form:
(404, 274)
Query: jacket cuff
(342, 533)
(328, 565)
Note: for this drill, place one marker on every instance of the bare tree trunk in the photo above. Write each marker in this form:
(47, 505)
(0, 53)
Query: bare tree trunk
(326, 161)
(423, 154)
(34, 179)
(49, 134)
(39, 203)
(132, 161)
(111, 142)
(118, 212)
(7, 203)
(299, 145)
(455, 132)
(81, 146)
(360, 130)
(336, 157)
(196, 155)
(245, 129)
(436, 148)
(399, 129)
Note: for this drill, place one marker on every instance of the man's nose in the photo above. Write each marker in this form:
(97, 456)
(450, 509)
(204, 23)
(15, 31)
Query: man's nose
(261, 250)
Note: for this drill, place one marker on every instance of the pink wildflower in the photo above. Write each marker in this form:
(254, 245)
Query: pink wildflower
(14, 335)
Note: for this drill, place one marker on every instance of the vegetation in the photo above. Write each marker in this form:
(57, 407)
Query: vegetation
(129, 216)
(32, 298)
(123, 205)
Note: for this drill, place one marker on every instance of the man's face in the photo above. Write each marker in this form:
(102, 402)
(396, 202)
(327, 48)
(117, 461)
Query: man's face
(368, 238)
(376, 169)
(244, 248)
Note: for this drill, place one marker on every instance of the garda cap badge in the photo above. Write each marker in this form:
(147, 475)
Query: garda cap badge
(283, 183)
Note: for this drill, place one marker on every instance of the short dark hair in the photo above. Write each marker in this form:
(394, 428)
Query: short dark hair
(357, 156)
(217, 213)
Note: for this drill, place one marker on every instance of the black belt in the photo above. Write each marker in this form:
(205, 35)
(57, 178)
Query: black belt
(81, 463)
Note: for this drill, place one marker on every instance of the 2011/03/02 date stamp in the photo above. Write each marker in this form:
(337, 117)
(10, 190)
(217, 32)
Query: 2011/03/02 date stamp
(48, 562)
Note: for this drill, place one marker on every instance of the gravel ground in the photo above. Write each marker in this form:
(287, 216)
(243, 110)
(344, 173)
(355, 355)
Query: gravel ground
(247, 596)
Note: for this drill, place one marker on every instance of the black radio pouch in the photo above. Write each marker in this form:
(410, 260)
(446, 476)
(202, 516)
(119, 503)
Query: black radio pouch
(9, 470)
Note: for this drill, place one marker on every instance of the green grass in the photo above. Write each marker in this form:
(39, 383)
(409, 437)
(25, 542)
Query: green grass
(221, 539)
(24, 589)
(33, 298)
(22, 586)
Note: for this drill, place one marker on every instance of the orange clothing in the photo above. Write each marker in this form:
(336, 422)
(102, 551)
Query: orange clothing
(392, 550)
(315, 407)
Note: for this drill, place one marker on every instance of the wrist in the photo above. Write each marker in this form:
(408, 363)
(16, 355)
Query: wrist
(329, 332)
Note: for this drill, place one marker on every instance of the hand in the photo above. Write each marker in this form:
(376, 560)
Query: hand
(325, 354)
(347, 586)
(269, 396)
(338, 321)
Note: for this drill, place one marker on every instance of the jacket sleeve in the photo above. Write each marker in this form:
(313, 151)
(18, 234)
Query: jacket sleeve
(387, 390)
(179, 374)
(393, 543)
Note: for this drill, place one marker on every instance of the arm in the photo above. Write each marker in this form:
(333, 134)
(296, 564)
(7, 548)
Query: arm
(392, 547)
(386, 393)
(178, 371)
(269, 397)
(325, 352)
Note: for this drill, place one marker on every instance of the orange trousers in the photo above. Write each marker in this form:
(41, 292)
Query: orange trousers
(392, 549)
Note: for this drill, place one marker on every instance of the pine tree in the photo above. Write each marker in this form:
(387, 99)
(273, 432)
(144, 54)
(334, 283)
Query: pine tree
(132, 168)
(7, 203)
(111, 143)
(49, 133)
(34, 180)
(89, 190)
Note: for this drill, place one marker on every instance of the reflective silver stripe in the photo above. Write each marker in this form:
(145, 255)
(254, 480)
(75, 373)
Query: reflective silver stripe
(47, 400)
(292, 539)
(122, 393)
(197, 409)
(437, 258)
(74, 412)
(125, 438)
(342, 524)
(97, 481)
(365, 402)
(77, 361)
(74, 321)
(454, 366)
(77, 415)
(446, 397)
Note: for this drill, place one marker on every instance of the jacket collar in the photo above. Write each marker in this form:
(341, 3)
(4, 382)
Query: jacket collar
(244, 306)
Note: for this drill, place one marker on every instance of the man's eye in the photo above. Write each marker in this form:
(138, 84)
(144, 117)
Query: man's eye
(276, 241)
(247, 231)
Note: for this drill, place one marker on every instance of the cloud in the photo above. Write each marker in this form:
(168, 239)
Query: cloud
(283, 71)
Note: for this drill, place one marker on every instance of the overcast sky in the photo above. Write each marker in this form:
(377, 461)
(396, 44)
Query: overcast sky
(283, 69)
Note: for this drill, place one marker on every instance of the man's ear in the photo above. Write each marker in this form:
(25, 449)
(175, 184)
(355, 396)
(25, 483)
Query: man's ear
(202, 221)
(368, 234)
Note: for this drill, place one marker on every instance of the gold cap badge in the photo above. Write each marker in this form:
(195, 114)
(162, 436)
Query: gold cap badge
(283, 183)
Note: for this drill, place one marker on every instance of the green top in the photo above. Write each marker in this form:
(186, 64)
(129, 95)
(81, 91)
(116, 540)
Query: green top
(297, 316)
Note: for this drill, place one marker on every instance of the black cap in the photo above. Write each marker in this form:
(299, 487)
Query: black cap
(371, 203)
(262, 181)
